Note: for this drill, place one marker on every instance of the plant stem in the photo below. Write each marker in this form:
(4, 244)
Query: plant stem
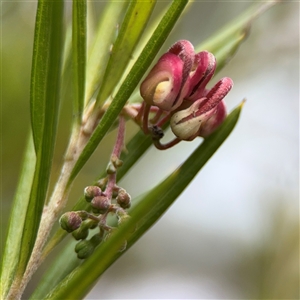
(51, 212)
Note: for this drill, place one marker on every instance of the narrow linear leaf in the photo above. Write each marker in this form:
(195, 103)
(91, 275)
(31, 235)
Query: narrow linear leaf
(45, 75)
(105, 36)
(134, 23)
(145, 37)
(131, 81)
(55, 272)
(79, 56)
(142, 216)
(224, 43)
(17, 219)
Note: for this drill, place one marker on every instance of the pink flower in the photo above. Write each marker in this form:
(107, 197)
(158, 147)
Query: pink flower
(176, 85)
(204, 115)
(163, 87)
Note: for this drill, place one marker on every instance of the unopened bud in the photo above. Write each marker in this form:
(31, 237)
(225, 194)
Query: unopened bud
(116, 161)
(213, 122)
(70, 221)
(84, 249)
(101, 183)
(91, 191)
(187, 124)
(83, 231)
(101, 204)
(111, 169)
(163, 84)
(123, 199)
(203, 70)
(80, 233)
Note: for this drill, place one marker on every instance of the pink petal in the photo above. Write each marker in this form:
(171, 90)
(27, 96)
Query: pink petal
(204, 68)
(216, 95)
(214, 120)
(163, 84)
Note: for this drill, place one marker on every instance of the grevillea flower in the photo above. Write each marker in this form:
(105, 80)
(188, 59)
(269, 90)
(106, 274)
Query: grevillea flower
(204, 115)
(163, 87)
(177, 86)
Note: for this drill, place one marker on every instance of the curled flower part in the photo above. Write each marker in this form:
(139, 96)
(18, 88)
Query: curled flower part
(185, 124)
(185, 50)
(162, 85)
(216, 95)
(204, 115)
(214, 120)
(203, 70)
(166, 85)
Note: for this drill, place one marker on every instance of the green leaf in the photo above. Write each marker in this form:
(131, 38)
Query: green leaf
(135, 21)
(45, 96)
(224, 43)
(55, 272)
(79, 56)
(131, 81)
(17, 219)
(104, 38)
(142, 216)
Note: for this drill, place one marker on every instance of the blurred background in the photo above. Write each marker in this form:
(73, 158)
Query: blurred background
(234, 232)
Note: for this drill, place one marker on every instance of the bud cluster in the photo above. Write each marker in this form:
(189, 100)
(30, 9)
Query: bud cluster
(176, 87)
(105, 197)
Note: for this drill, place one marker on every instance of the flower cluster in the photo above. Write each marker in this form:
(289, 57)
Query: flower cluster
(105, 197)
(175, 90)
(79, 223)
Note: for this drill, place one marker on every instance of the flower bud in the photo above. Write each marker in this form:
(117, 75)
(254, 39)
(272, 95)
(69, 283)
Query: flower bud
(214, 121)
(111, 169)
(185, 124)
(70, 221)
(86, 247)
(203, 70)
(162, 85)
(83, 231)
(80, 233)
(123, 199)
(101, 204)
(185, 50)
(116, 161)
(101, 183)
(204, 115)
(91, 191)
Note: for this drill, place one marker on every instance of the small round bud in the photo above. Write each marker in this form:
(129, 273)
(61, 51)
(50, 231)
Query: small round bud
(123, 199)
(83, 231)
(101, 204)
(80, 233)
(84, 249)
(116, 161)
(111, 169)
(91, 191)
(102, 183)
(70, 221)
